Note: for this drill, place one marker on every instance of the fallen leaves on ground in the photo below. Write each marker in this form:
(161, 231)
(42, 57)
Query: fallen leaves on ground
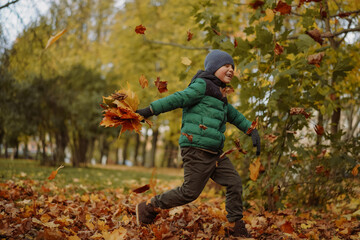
(28, 212)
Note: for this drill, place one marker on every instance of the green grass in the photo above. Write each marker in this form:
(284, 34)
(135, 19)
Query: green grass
(88, 178)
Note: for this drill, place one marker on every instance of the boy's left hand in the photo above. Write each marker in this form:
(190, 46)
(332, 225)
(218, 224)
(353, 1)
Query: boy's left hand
(256, 140)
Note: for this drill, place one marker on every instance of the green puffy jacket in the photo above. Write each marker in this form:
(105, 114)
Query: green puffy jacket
(205, 112)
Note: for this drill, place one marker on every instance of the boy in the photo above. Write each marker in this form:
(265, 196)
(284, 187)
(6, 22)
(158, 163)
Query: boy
(204, 104)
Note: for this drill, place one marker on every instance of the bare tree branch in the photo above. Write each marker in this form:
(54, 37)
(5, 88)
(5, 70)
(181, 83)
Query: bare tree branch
(331, 35)
(175, 45)
(8, 4)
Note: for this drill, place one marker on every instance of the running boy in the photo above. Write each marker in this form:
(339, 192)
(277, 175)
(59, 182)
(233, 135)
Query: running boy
(204, 104)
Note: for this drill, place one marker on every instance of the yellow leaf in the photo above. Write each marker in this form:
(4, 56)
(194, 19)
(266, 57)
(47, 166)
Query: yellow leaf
(186, 61)
(291, 57)
(53, 39)
(90, 226)
(53, 174)
(269, 15)
(75, 237)
(255, 169)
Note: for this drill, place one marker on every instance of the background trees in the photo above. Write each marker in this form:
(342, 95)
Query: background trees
(297, 69)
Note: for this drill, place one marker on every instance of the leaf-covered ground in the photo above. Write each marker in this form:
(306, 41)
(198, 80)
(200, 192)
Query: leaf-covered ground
(43, 209)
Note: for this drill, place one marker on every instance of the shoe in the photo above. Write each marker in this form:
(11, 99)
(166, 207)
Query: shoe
(145, 213)
(240, 230)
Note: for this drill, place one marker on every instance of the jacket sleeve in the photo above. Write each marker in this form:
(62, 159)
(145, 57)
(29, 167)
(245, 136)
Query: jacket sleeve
(236, 118)
(189, 96)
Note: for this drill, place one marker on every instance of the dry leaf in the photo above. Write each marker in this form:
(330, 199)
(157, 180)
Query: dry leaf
(203, 127)
(269, 15)
(287, 228)
(283, 8)
(189, 35)
(278, 49)
(186, 61)
(53, 39)
(253, 126)
(140, 29)
(255, 169)
(316, 35)
(315, 59)
(143, 81)
(256, 4)
(161, 85)
(355, 170)
(297, 111)
(152, 182)
(319, 130)
(142, 189)
(53, 174)
(189, 137)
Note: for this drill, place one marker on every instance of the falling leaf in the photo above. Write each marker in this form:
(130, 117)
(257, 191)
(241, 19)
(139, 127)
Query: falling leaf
(189, 35)
(53, 174)
(269, 15)
(316, 35)
(203, 127)
(255, 169)
(252, 126)
(142, 189)
(315, 59)
(283, 8)
(235, 43)
(140, 29)
(355, 170)
(186, 61)
(297, 111)
(256, 4)
(161, 85)
(53, 39)
(278, 49)
(143, 81)
(319, 130)
(287, 228)
(189, 137)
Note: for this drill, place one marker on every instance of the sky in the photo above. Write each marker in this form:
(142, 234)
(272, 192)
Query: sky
(19, 15)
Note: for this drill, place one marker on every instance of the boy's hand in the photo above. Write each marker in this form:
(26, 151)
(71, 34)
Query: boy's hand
(145, 112)
(256, 140)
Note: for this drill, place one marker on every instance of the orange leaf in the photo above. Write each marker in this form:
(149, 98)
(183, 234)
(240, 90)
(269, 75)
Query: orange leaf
(161, 85)
(253, 126)
(216, 32)
(142, 189)
(297, 111)
(189, 35)
(235, 43)
(237, 147)
(53, 39)
(355, 170)
(143, 81)
(203, 127)
(53, 174)
(152, 182)
(283, 8)
(255, 169)
(287, 228)
(189, 137)
(140, 29)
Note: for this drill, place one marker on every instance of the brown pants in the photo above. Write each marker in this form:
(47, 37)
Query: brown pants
(199, 166)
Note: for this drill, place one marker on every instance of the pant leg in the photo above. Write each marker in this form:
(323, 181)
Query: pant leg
(198, 167)
(226, 175)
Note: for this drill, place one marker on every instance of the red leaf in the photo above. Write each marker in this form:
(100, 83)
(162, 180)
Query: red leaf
(142, 189)
(316, 35)
(256, 4)
(53, 174)
(235, 43)
(161, 85)
(203, 127)
(140, 29)
(319, 130)
(283, 8)
(344, 14)
(190, 137)
(278, 49)
(189, 35)
(297, 111)
(216, 32)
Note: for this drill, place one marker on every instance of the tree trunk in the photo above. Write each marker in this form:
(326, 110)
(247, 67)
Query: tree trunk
(153, 147)
(61, 140)
(6, 150)
(125, 149)
(137, 146)
(144, 149)
(320, 123)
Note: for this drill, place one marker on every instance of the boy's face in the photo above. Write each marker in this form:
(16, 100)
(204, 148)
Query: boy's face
(225, 73)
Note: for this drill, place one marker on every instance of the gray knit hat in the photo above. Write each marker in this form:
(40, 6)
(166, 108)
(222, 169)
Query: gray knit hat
(216, 59)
